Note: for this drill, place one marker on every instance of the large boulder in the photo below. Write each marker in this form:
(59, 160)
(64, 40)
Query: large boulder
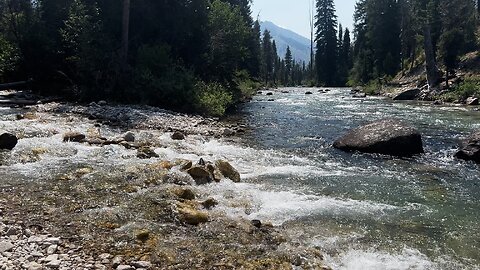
(73, 137)
(389, 137)
(470, 149)
(408, 94)
(8, 141)
(228, 170)
(471, 101)
(200, 174)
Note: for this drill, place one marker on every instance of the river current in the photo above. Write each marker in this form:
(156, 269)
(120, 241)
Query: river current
(362, 211)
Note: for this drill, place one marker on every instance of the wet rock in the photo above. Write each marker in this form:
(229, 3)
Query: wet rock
(270, 100)
(117, 260)
(285, 92)
(183, 164)
(129, 137)
(200, 174)
(201, 162)
(142, 235)
(178, 136)
(228, 170)
(33, 266)
(125, 267)
(471, 101)
(308, 93)
(8, 141)
(191, 216)
(146, 153)
(256, 223)
(360, 95)
(408, 94)
(269, 94)
(209, 203)
(53, 264)
(74, 137)
(141, 264)
(228, 132)
(184, 193)
(437, 102)
(6, 246)
(389, 137)
(470, 149)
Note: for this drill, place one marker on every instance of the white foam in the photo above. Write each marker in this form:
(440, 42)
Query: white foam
(407, 259)
(254, 201)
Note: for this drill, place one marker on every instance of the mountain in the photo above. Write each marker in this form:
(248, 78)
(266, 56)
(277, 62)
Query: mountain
(299, 45)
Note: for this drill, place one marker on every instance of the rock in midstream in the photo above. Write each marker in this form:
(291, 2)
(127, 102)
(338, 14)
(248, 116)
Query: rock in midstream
(389, 137)
(470, 149)
(8, 141)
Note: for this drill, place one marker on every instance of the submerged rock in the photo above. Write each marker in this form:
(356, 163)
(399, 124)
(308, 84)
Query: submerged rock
(189, 215)
(178, 136)
(146, 153)
(8, 141)
(209, 203)
(228, 170)
(184, 193)
(129, 137)
(389, 137)
(472, 101)
(200, 174)
(308, 93)
(360, 95)
(470, 149)
(74, 137)
(408, 94)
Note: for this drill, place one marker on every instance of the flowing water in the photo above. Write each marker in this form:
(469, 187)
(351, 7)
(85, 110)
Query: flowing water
(363, 211)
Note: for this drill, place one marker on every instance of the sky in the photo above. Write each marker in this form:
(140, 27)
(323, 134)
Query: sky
(293, 14)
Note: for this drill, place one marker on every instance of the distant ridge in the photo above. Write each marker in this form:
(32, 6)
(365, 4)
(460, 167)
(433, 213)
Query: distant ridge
(299, 45)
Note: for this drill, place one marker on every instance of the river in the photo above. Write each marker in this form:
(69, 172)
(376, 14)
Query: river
(364, 211)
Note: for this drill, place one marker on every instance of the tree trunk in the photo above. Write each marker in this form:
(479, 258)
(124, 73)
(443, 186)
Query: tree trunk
(125, 32)
(446, 79)
(432, 70)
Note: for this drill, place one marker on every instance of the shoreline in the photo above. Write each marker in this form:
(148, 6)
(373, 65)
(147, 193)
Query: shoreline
(96, 213)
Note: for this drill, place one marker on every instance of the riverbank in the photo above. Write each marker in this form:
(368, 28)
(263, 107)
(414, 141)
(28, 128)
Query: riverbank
(84, 205)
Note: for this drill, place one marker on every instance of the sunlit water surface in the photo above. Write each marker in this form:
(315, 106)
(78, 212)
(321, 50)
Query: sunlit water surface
(362, 211)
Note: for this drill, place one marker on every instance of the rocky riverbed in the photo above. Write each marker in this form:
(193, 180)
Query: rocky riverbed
(96, 202)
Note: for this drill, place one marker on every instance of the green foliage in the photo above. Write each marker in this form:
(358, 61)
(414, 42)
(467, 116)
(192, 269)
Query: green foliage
(228, 36)
(9, 57)
(160, 81)
(213, 99)
(83, 48)
(374, 87)
(451, 43)
(468, 88)
(326, 42)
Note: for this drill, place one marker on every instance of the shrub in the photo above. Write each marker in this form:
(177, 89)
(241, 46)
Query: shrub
(160, 81)
(213, 98)
(468, 88)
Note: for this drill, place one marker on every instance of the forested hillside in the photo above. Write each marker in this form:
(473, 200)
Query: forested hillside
(206, 55)
(185, 55)
(401, 38)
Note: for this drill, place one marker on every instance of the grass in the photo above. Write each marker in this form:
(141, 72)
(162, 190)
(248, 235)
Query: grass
(468, 88)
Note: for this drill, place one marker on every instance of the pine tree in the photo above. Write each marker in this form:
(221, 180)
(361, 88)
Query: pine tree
(267, 55)
(276, 62)
(288, 65)
(326, 39)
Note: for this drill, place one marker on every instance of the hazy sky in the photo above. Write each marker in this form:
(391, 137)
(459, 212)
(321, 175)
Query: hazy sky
(293, 14)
